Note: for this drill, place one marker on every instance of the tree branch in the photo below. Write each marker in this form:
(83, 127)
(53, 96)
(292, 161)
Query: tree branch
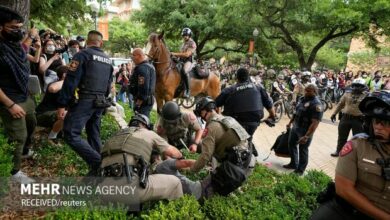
(239, 49)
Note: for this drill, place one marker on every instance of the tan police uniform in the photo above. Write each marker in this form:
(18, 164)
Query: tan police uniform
(189, 45)
(352, 118)
(136, 142)
(357, 162)
(221, 135)
(179, 129)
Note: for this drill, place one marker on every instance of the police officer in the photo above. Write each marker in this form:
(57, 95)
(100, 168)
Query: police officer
(142, 83)
(177, 127)
(186, 55)
(278, 88)
(226, 141)
(299, 88)
(352, 117)
(362, 182)
(306, 119)
(90, 73)
(245, 101)
(128, 154)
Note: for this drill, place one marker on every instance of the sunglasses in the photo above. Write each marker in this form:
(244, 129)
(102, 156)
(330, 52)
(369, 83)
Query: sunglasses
(384, 123)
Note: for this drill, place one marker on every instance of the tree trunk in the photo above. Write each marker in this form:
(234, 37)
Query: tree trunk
(20, 6)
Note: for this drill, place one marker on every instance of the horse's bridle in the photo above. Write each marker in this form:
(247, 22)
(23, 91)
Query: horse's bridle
(157, 52)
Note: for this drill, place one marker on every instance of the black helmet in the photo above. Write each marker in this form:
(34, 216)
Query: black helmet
(376, 104)
(171, 111)
(139, 118)
(205, 103)
(186, 32)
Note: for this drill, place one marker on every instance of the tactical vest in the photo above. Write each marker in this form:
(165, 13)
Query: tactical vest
(245, 97)
(125, 142)
(96, 80)
(176, 130)
(230, 126)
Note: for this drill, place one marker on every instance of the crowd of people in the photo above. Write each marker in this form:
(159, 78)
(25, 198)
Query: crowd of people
(77, 78)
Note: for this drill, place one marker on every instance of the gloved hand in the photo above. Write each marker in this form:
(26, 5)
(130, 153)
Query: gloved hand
(333, 118)
(270, 122)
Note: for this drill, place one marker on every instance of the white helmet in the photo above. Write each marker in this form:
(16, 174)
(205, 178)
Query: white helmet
(359, 81)
(306, 73)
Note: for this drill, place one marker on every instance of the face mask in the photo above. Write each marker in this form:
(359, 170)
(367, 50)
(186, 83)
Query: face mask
(73, 51)
(13, 36)
(50, 49)
(82, 43)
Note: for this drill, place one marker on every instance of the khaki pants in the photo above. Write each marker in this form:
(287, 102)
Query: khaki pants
(19, 130)
(160, 186)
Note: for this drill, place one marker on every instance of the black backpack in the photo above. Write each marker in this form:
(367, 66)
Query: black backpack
(281, 145)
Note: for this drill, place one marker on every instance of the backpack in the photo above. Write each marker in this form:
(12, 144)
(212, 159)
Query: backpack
(281, 145)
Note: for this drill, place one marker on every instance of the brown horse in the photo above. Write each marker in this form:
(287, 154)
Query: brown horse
(168, 77)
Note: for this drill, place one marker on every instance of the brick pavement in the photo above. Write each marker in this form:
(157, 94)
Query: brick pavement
(323, 143)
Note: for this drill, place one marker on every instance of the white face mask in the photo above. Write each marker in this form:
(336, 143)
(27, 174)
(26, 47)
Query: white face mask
(82, 43)
(50, 49)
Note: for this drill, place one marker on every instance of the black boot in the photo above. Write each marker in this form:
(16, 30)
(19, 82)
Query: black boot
(186, 80)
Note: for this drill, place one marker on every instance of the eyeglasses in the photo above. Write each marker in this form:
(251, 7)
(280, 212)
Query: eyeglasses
(384, 123)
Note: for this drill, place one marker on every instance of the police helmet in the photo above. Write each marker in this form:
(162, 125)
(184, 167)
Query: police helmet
(271, 73)
(281, 76)
(139, 118)
(186, 32)
(171, 111)
(359, 85)
(205, 103)
(376, 105)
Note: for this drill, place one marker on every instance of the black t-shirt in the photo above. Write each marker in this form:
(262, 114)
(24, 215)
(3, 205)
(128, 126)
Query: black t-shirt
(49, 102)
(54, 64)
(9, 86)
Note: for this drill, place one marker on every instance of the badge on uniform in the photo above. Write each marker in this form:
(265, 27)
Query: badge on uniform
(318, 108)
(141, 80)
(307, 104)
(346, 149)
(73, 65)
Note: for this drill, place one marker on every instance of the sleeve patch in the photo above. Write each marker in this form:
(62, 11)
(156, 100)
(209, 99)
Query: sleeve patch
(346, 149)
(205, 132)
(73, 65)
(141, 80)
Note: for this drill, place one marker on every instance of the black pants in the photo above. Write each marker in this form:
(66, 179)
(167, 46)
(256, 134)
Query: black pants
(336, 210)
(347, 123)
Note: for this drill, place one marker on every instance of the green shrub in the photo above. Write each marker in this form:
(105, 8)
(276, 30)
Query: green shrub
(184, 208)
(88, 214)
(6, 155)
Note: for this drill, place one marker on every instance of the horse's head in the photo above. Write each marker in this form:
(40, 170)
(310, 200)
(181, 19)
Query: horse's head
(156, 49)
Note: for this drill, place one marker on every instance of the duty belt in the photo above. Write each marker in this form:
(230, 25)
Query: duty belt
(348, 116)
(90, 96)
(118, 170)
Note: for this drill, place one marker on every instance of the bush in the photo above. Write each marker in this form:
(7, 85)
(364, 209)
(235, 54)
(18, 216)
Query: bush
(6, 155)
(88, 214)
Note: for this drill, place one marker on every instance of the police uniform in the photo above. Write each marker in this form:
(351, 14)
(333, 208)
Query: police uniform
(357, 163)
(91, 73)
(142, 86)
(137, 143)
(245, 103)
(222, 135)
(182, 128)
(275, 95)
(352, 117)
(189, 45)
(306, 110)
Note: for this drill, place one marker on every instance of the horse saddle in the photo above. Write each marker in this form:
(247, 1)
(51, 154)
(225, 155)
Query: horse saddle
(197, 72)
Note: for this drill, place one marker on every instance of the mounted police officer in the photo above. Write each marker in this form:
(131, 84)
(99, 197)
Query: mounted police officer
(362, 182)
(186, 55)
(245, 102)
(142, 83)
(352, 117)
(177, 127)
(90, 75)
(128, 154)
(226, 141)
(306, 119)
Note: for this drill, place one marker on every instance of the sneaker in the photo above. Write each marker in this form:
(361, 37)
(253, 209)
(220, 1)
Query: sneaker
(29, 155)
(22, 178)
(288, 166)
(335, 154)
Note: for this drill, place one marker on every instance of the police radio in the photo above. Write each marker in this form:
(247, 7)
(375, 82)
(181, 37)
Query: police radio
(385, 165)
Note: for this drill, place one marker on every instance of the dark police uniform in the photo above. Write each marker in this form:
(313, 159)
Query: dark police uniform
(357, 163)
(142, 86)
(306, 110)
(91, 72)
(245, 103)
